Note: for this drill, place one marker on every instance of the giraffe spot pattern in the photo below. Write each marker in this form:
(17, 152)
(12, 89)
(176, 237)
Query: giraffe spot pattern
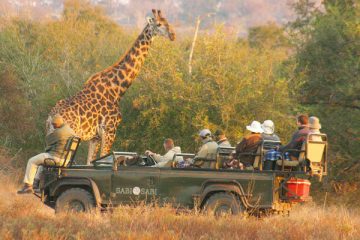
(102, 91)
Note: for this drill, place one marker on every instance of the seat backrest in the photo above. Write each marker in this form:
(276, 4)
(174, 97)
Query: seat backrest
(316, 153)
(265, 146)
(270, 144)
(70, 150)
(223, 154)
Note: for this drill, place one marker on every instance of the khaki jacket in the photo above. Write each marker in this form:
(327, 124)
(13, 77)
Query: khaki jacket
(56, 141)
(208, 151)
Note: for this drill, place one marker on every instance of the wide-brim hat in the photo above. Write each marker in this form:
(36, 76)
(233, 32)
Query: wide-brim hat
(255, 127)
(314, 123)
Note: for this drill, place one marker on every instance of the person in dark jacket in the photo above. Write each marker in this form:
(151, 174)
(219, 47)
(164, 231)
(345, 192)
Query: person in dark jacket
(249, 144)
(298, 137)
(55, 145)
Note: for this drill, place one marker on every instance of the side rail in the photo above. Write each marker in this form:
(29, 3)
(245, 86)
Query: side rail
(114, 158)
(184, 156)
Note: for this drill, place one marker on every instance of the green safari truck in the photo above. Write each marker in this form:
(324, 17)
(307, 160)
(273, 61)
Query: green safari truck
(112, 180)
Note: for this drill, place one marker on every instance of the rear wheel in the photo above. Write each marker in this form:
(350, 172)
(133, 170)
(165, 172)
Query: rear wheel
(223, 204)
(75, 200)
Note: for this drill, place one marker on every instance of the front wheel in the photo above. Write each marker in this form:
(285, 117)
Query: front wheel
(224, 203)
(75, 200)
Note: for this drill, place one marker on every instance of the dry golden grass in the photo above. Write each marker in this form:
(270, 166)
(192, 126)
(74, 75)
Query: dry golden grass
(25, 217)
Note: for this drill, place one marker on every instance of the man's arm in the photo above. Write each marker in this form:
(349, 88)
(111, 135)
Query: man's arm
(296, 138)
(165, 158)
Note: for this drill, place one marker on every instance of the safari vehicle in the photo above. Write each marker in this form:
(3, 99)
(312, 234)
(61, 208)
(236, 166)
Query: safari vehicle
(127, 178)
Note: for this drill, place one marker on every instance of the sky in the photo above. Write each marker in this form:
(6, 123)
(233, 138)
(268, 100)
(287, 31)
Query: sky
(235, 15)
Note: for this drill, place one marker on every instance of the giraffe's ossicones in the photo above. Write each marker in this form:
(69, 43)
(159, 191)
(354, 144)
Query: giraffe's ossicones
(93, 113)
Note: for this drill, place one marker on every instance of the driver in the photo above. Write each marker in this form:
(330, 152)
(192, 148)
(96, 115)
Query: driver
(170, 149)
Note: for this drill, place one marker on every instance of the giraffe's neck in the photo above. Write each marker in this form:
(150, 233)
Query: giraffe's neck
(117, 78)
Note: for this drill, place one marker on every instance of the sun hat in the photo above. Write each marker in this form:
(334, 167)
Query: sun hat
(268, 126)
(57, 121)
(314, 123)
(255, 127)
(204, 133)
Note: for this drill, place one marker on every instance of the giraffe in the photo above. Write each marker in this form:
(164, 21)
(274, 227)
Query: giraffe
(93, 113)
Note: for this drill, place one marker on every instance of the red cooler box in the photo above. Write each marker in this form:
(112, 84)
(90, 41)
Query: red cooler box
(298, 187)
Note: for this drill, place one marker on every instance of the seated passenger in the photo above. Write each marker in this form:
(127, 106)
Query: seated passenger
(55, 145)
(221, 139)
(315, 126)
(298, 137)
(170, 149)
(268, 134)
(207, 150)
(249, 144)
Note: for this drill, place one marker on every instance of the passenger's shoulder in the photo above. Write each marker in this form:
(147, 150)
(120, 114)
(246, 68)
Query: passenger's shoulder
(254, 136)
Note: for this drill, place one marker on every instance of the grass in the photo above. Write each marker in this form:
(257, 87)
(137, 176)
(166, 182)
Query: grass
(25, 217)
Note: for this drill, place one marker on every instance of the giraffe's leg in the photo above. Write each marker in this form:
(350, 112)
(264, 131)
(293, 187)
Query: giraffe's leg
(94, 146)
(109, 132)
(109, 138)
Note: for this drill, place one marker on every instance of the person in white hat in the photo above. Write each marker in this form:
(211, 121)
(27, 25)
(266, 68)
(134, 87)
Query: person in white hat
(207, 150)
(249, 144)
(315, 126)
(269, 128)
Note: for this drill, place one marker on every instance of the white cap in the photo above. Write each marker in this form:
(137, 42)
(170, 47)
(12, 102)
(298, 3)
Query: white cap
(268, 127)
(255, 127)
(205, 132)
(314, 123)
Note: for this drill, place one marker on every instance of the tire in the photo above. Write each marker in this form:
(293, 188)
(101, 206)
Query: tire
(223, 203)
(75, 200)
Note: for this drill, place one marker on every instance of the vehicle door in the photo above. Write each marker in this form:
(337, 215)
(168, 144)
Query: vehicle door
(134, 183)
(178, 187)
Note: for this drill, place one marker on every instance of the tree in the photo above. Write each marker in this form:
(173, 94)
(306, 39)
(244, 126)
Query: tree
(270, 36)
(328, 68)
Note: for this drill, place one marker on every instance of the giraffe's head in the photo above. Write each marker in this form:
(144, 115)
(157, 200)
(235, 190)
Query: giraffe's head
(160, 25)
